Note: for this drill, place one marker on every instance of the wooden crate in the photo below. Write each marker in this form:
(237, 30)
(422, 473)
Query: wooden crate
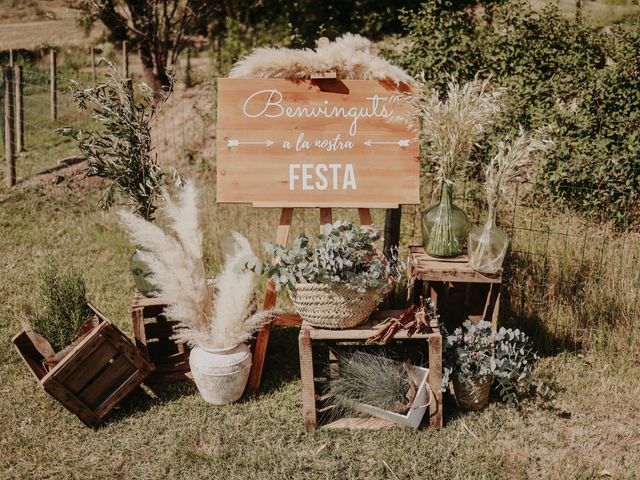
(153, 333)
(316, 360)
(458, 291)
(97, 373)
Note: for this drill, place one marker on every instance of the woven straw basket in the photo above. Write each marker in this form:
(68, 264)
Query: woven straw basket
(325, 306)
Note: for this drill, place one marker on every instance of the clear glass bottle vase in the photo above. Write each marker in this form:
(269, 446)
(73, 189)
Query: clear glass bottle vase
(444, 227)
(488, 245)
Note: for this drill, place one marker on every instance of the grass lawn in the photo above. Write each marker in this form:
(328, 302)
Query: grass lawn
(591, 429)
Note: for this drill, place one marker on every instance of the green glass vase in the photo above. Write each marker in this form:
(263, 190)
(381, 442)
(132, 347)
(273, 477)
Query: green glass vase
(444, 227)
(141, 274)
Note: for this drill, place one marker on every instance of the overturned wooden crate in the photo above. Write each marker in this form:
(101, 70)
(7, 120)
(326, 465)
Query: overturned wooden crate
(96, 373)
(153, 334)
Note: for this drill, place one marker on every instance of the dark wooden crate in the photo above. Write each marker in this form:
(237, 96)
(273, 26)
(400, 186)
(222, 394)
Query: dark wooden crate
(153, 337)
(97, 373)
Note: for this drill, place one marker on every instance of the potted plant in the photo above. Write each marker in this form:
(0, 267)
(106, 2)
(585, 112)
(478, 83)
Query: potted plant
(75, 353)
(379, 386)
(335, 283)
(450, 129)
(121, 149)
(488, 243)
(215, 319)
(475, 358)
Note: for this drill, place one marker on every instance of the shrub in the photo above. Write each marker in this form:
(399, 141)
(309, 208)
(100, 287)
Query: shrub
(557, 71)
(61, 306)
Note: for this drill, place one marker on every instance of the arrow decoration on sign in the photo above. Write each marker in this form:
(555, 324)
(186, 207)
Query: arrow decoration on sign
(400, 143)
(232, 142)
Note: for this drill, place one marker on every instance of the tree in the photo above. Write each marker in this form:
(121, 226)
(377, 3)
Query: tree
(158, 28)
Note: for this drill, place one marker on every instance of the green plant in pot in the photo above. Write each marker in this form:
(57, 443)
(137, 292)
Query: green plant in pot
(121, 149)
(450, 130)
(476, 358)
(488, 244)
(335, 283)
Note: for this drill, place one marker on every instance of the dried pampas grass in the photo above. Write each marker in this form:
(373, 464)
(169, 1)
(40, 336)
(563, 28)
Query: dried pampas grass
(216, 316)
(513, 160)
(351, 56)
(452, 126)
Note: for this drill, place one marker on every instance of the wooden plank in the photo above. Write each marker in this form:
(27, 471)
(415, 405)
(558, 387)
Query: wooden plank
(83, 350)
(126, 348)
(307, 377)
(354, 423)
(137, 321)
(299, 143)
(53, 84)
(76, 379)
(127, 387)
(160, 328)
(19, 109)
(288, 320)
(325, 216)
(29, 354)
(435, 379)
(71, 402)
(365, 217)
(109, 379)
(260, 348)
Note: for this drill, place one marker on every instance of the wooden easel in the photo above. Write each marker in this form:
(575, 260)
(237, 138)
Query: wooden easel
(282, 235)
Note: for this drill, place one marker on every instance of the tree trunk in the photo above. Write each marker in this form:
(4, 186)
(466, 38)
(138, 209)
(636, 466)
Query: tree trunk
(155, 72)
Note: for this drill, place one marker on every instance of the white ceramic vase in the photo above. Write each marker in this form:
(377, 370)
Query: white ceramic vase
(221, 374)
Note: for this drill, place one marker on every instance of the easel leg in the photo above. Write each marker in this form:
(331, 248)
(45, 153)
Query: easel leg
(270, 297)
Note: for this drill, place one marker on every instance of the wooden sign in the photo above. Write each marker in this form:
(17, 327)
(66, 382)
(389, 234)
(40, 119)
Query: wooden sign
(315, 143)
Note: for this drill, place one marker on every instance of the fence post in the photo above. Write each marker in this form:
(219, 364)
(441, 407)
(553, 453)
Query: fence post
(19, 109)
(54, 86)
(9, 127)
(93, 64)
(11, 57)
(125, 59)
(187, 75)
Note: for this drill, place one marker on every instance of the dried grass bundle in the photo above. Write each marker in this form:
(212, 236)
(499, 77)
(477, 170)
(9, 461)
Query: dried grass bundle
(351, 56)
(452, 126)
(216, 317)
(513, 160)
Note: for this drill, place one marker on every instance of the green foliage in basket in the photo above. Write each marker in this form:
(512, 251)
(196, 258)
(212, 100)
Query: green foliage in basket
(506, 357)
(344, 254)
(61, 306)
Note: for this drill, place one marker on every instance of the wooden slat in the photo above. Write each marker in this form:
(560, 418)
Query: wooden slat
(29, 354)
(109, 379)
(307, 377)
(128, 386)
(126, 348)
(288, 320)
(325, 216)
(435, 379)
(70, 401)
(426, 267)
(77, 378)
(160, 329)
(83, 350)
(354, 423)
(365, 217)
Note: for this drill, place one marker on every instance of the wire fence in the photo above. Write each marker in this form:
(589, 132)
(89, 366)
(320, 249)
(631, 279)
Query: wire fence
(570, 279)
